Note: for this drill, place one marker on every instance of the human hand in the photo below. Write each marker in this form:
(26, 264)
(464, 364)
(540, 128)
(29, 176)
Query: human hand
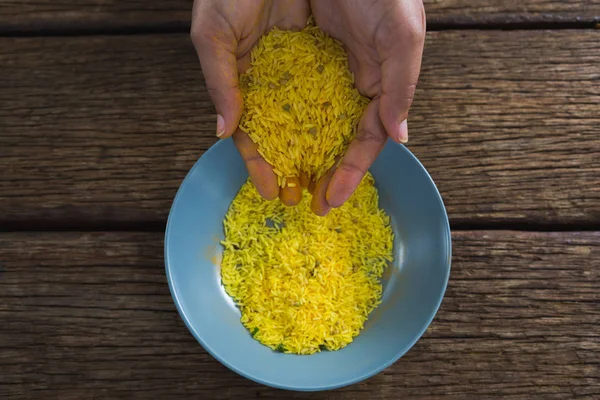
(224, 33)
(384, 40)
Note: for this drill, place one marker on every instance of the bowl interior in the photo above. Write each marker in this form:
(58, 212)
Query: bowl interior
(413, 285)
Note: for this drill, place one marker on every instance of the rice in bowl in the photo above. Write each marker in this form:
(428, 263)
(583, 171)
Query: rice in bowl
(305, 283)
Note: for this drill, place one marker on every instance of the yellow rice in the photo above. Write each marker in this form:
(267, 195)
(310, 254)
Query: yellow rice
(301, 106)
(305, 283)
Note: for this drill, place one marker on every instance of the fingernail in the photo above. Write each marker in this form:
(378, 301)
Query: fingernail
(319, 208)
(403, 132)
(220, 125)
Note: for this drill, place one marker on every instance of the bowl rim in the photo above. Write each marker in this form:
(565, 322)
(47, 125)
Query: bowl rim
(399, 354)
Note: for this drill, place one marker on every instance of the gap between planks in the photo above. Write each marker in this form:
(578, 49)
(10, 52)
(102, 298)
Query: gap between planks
(74, 29)
(157, 226)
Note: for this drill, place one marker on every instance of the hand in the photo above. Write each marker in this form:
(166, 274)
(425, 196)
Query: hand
(224, 32)
(384, 40)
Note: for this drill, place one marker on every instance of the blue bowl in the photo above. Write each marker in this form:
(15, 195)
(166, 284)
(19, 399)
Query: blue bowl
(413, 286)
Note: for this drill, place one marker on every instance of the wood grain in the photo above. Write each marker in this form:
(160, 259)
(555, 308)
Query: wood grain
(90, 315)
(95, 15)
(101, 130)
(510, 11)
(62, 15)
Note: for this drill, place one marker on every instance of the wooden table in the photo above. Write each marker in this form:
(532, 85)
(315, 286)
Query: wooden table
(103, 109)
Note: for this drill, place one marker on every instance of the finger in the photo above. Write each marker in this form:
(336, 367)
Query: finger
(304, 180)
(216, 43)
(318, 203)
(361, 153)
(400, 67)
(261, 173)
(291, 194)
(311, 187)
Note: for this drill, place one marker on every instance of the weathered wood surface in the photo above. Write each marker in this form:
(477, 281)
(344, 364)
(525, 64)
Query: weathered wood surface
(510, 11)
(95, 130)
(87, 315)
(114, 14)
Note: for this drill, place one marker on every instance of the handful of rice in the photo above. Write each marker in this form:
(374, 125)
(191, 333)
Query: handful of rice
(301, 106)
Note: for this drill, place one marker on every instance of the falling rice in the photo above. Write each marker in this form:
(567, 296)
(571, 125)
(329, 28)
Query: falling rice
(305, 283)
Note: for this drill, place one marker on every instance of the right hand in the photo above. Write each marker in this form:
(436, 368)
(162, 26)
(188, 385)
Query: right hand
(224, 33)
(384, 40)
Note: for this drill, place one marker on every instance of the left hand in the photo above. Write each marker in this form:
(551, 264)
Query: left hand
(224, 33)
(384, 40)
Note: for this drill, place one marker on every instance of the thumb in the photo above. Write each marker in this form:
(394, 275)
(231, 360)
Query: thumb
(362, 152)
(400, 68)
(216, 46)
(399, 84)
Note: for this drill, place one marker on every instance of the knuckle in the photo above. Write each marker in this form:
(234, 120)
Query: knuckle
(409, 94)
(207, 30)
(212, 91)
(200, 34)
(351, 168)
(369, 136)
(416, 27)
(367, 83)
(254, 160)
(415, 32)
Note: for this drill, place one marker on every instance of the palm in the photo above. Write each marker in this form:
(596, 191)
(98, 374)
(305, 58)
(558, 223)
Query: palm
(357, 30)
(254, 21)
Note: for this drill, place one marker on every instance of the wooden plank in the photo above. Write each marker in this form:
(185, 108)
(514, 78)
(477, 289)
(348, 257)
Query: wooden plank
(101, 129)
(90, 314)
(510, 11)
(95, 15)
(131, 14)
